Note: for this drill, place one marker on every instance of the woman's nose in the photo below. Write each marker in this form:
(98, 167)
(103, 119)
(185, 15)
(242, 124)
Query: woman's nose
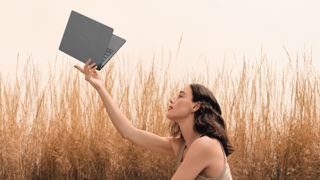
(171, 100)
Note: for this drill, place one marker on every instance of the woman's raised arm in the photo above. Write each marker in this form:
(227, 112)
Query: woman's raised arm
(142, 138)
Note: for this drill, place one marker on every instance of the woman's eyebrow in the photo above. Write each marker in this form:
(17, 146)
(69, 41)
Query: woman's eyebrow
(182, 92)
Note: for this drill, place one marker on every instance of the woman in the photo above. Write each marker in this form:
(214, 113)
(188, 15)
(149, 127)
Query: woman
(199, 139)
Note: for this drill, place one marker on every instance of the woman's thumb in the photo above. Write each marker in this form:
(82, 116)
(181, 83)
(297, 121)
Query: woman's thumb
(79, 68)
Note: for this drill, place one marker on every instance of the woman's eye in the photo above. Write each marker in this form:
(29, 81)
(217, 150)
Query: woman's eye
(179, 95)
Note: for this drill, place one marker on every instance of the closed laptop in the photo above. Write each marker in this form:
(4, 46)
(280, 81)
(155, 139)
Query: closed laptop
(86, 38)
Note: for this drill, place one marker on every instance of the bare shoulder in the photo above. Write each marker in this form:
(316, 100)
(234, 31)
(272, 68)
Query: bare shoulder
(207, 146)
(204, 156)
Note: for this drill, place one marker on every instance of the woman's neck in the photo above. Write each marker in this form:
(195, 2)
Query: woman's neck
(187, 130)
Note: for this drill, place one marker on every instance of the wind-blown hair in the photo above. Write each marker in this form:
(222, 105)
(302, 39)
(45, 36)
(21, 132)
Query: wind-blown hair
(208, 118)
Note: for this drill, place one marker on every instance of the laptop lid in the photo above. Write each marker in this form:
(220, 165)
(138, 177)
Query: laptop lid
(85, 38)
(115, 44)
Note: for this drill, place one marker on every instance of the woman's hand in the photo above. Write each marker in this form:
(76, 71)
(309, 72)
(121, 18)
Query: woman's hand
(91, 74)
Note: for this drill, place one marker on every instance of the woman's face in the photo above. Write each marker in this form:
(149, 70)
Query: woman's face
(181, 105)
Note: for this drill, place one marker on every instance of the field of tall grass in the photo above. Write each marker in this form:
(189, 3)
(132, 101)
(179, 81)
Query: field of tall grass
(55, 126)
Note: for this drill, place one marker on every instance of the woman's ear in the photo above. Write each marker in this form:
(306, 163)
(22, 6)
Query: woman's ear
(196, 106)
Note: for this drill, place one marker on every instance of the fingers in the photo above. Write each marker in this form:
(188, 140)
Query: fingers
(88, 62)
(90, 72)
(79, 68)
(92, 66)
(88, 67)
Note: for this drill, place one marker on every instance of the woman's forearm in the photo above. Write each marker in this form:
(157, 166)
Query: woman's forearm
(119, 120)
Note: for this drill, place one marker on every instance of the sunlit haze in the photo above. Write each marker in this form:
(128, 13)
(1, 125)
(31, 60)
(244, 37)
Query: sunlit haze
(210, 29)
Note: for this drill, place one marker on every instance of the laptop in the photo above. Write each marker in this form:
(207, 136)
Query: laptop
(86, 38)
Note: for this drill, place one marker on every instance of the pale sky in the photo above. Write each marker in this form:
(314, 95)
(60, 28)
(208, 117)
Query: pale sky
(211, 28)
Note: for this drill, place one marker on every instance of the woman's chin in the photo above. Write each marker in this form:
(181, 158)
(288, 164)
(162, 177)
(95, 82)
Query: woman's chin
(168, 116)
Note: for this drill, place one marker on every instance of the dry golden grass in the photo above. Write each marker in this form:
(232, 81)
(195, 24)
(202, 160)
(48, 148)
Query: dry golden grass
(60, 130)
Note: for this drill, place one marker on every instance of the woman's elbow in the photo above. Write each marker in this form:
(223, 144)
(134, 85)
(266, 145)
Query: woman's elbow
(128, 133)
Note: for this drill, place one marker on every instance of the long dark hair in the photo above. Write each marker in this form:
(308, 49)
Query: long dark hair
(208, 118)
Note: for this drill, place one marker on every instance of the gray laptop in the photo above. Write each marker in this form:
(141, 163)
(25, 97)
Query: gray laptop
(86, 38)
